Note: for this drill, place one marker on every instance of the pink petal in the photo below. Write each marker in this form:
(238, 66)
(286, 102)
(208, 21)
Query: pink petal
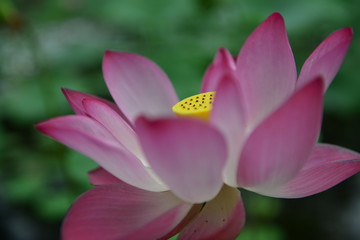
(266, 68)
(195, 210)
(138, 85)
(91, 139)
(228, 115)
(326, 60)
(278, 148)
(123, 212)
(116, 125)
(76, 98)
(223, 64)
(221, 218)
(328, 165)
(188, 155)
(100, 176)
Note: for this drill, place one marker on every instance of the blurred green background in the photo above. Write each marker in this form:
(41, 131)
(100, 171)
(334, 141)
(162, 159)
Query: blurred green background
(48, 44)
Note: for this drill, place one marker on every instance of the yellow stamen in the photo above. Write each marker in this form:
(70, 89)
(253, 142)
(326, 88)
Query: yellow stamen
(197, 106)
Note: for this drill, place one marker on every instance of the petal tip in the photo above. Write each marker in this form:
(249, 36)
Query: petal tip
(109, 52)
(227, 79)
(43, 127)
(141, 120)
(320, 83)
(86, 102)
(66, 91)
(109, 55)
(274, 21)
(223, 50)
(39, 126)
(344, 34)
(225, 55)
(347, 32)
(276, 16)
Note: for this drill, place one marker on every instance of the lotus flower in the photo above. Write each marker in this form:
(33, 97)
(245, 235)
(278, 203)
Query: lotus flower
(169, 167)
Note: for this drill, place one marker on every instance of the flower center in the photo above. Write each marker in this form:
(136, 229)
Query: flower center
(197, 106)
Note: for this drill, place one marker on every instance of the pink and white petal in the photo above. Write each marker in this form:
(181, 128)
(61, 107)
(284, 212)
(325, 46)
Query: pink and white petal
(279, 147)
(138, 85)
(116, 125)
(100, 176)
(223, 64)
(326, 60)
(228, 115)
(188, 156)
(266, 68)
(76, 98)
(88, 137)
(221, 218)
(194, 211)
(327, 166)
(123, 212)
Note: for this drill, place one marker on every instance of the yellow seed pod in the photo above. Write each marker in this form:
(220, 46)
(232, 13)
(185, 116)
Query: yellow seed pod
(197, 106)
